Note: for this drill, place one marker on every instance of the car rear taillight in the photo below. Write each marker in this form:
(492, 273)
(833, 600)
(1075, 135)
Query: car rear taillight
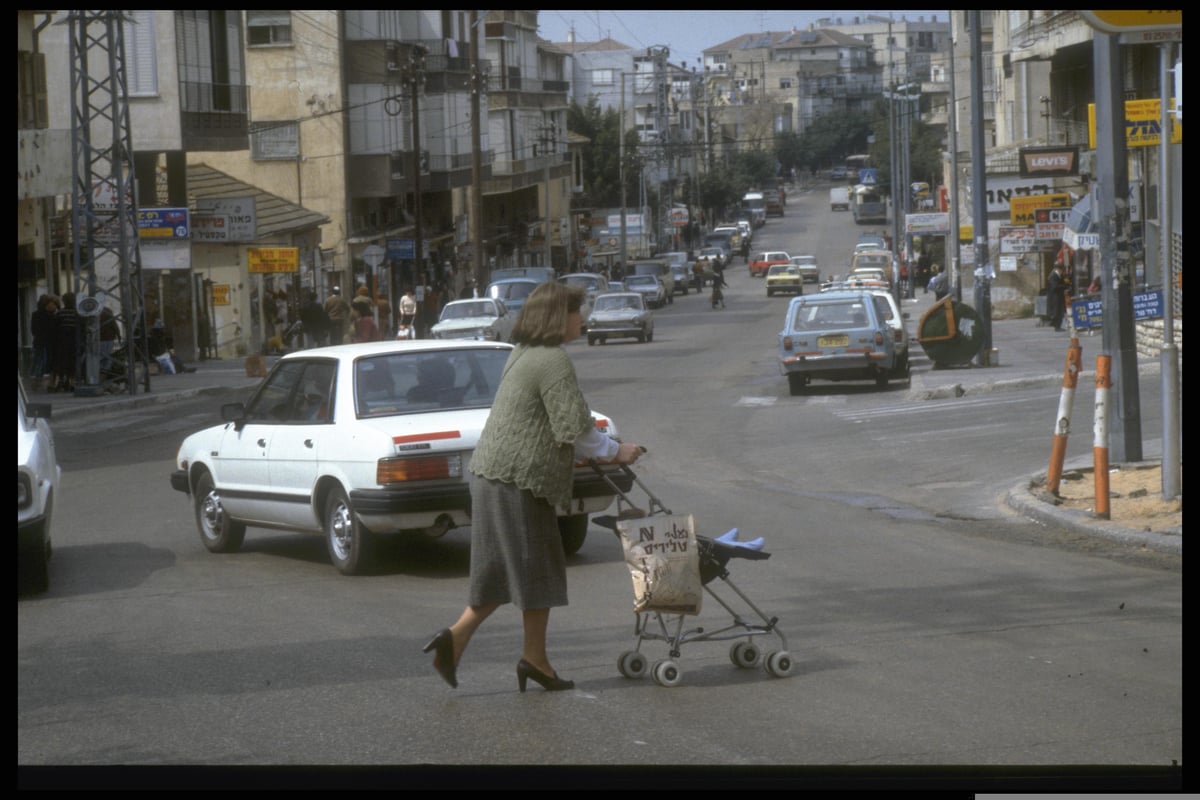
(419, 468)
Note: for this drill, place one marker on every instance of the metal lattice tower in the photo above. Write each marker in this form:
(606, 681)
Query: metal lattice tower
(107, 260)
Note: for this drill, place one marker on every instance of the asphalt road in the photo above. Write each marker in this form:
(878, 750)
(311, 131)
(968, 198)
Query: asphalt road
(937, 635)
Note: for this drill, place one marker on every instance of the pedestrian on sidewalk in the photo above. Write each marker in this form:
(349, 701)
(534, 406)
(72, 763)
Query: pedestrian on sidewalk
(1056, 297)
(41, 326)
(66, 345)
(337, 311)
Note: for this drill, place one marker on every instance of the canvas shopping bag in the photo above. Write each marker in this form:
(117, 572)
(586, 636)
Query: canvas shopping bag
(664, 561)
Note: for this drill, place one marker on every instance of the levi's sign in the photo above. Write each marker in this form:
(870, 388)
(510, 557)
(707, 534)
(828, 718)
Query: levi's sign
(1049, 162)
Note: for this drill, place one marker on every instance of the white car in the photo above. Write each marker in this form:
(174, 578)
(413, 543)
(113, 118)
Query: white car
(887, 309)
(358, 440)
(808, 267)
(38, 477)
(484, 318)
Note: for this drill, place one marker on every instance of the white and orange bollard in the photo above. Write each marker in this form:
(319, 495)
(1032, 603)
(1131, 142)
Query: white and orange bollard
(1100, 435)
(1062, 423)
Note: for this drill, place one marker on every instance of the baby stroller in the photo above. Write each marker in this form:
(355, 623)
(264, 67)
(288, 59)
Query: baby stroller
(665, 623)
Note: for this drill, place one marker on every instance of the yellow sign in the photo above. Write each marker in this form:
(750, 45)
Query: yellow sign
(272, 259)
(220, 294)
(966, 233)
(1122, 21)
(1143, 124)
(1022, 209)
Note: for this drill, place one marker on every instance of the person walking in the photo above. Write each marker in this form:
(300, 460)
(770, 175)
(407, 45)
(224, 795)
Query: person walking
(362, 316)
(314, 320)
(66, 345)
(337, 311)
(1056, 297)
(522, 470)
(408, 315)
(41, 327)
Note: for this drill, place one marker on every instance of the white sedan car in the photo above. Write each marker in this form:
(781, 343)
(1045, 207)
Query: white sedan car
(38, 477)
(357, 440)
(484, 318)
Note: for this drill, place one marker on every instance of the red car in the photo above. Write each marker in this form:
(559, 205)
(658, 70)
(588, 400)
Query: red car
(760, 262)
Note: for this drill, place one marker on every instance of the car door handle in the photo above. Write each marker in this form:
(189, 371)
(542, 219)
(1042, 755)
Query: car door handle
(262, 442)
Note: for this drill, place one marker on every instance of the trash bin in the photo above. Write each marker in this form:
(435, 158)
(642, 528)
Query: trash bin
(950, 332)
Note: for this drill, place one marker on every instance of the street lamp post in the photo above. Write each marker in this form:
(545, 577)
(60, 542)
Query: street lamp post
(892, 146)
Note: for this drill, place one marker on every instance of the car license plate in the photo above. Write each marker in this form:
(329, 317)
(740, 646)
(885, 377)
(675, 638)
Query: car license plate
(841, 340)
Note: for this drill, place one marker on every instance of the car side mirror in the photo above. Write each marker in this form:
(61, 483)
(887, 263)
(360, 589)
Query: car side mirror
(235, 413)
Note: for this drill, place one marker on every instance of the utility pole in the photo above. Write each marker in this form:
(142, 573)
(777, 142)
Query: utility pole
(1111, 209)
(954, 261)
(547, 142)
(621, 170)
(983, 285)
(475, 220)
(1172, 431)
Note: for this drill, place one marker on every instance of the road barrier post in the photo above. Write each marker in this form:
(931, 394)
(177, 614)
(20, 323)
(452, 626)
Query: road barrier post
(1100, 435)
(1062, 424)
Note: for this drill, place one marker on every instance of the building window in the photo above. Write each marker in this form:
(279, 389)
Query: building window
(603, 77)
(785, 83)
(273, 141)
(268, 27)
(141, 64)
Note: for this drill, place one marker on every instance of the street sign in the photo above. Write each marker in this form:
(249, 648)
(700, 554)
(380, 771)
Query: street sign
(1124, 21)
(373, 255)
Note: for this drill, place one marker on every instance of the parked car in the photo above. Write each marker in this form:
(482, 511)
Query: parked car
(723, 240)
(355, 441)
(38, 479)
(870, 241)
(838, 173)
(592, 283)
(839, 198)
(483, 318)
(651, 288)
(838, 336)
(888, 309)
(512, 291)
(620, 314)
(809, 269)
(659, 268)
(738, 244)
(784, 278)
(760, 262)
(681, 270)
(881, 260)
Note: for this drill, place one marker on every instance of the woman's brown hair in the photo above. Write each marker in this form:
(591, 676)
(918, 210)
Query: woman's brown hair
(543, 317)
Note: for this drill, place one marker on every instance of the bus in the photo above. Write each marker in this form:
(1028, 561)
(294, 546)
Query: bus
(855, 165)
(868, 205)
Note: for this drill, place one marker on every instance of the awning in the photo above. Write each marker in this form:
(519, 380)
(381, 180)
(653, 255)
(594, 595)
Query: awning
(1080, 231)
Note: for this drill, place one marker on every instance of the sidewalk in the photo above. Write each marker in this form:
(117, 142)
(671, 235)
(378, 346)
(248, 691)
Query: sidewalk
(1029, 355)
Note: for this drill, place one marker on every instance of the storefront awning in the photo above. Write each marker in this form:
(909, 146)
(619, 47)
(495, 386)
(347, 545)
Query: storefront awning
(1080, 230)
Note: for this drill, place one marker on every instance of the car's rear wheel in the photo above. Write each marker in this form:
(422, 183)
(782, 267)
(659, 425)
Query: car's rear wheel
(591, 340)
(350, 544)
(796, 383)
(573, 531)
(881, 380)
(650, 335)
(219, 533)
(33, 567)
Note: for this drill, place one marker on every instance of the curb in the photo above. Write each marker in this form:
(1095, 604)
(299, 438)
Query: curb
(1021, 500)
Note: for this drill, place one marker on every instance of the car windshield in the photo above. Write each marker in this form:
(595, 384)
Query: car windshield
(582, 281)
(481, 308)
(415, 381)
(869, 261)
(641, 281)
(517, 290)
(782, 269)
(804, 261)
(829, 316)
(618, 301)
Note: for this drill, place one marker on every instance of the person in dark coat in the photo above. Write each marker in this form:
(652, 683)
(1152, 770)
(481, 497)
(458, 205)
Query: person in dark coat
(41, 326)
(66, 345)
(1056, 297)
(312, 317)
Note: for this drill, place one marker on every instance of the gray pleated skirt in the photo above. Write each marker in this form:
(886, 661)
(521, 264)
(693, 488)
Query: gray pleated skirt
(516, 550)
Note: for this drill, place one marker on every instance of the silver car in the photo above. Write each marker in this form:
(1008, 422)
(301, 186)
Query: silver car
(620, 314)
(650, 287)
(484, 318)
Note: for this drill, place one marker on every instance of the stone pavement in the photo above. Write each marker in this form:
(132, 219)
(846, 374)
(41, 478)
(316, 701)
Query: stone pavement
(1028, 355)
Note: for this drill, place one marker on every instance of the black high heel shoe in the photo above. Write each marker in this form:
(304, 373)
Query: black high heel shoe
(551, 683)
(443, 659)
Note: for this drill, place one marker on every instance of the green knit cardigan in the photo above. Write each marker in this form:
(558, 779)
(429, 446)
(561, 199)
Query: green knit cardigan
(529, 437)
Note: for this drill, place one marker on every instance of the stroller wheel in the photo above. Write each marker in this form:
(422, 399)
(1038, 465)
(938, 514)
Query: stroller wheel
(744, 655)
(780, 664)
(632, 664)
(667, 673)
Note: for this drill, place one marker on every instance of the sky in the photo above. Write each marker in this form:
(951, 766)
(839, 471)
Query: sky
(688, 33)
